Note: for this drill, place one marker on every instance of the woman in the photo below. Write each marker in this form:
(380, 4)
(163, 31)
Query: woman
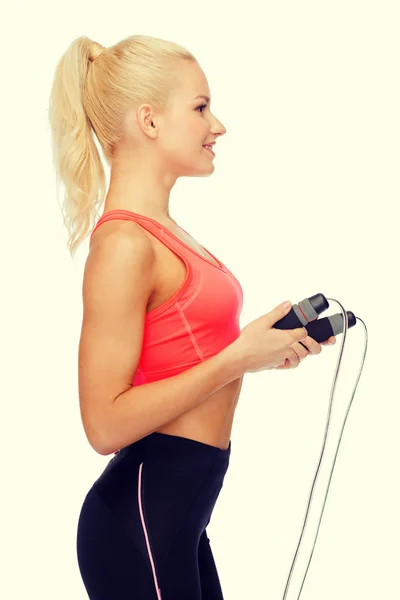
(161, 354)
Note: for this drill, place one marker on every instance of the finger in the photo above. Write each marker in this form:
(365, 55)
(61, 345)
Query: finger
(312, 345)
(300, 350)
(285, 365)
(293, 360)
(330, 341)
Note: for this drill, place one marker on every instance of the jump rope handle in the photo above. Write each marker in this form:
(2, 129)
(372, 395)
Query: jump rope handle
(305, 314)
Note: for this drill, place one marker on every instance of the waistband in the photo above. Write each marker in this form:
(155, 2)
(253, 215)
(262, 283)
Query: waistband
(180, 453)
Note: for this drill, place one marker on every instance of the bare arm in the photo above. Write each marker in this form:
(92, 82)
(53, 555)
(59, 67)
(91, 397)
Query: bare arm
(118, 282)
(141, 410)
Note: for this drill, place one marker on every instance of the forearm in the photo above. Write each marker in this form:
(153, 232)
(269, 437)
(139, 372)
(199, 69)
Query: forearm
(141, 410)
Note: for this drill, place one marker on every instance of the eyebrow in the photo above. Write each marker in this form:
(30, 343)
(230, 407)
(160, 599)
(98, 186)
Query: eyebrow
(201, 96)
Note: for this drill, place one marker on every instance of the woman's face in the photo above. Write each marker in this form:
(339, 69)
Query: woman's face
(188, 124)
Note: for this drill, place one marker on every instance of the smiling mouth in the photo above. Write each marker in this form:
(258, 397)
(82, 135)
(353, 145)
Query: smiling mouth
(209, 149)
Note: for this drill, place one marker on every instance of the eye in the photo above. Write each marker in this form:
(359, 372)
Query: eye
(202, 106)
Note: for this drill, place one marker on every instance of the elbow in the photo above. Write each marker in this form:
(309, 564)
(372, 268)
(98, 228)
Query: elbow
(104, 434)
(102, 448)
(98, 440)
(98, 432)
(106, 450)
(102, 445)
(98, 446)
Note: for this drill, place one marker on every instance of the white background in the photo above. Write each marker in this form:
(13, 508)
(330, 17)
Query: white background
(304, 199)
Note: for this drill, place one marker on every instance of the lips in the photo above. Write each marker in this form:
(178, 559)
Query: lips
(209, 149)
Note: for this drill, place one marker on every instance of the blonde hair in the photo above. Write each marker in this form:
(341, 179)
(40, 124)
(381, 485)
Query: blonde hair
(92, 89)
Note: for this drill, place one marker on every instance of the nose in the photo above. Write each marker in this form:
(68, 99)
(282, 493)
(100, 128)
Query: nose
(218, 128)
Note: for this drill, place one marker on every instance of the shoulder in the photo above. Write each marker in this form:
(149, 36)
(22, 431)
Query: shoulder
(124, 235)
(121, 245)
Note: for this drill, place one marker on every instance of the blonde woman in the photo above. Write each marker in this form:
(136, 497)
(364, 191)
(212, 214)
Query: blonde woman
(161, 354)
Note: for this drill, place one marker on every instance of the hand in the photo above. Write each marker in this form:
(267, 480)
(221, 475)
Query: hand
(260, 346)
(313, 347)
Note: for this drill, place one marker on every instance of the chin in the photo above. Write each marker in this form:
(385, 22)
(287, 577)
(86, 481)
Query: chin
(204, 171)
(208, 172)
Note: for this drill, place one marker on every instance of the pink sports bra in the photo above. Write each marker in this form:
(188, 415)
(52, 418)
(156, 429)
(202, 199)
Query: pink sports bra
(198, 321)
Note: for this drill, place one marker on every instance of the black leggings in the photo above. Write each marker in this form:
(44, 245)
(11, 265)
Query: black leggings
(142, 528)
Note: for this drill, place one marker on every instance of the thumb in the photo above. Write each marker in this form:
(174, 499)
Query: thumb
(278, 313)
(281, 311)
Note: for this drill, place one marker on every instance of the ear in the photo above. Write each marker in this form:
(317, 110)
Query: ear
(147, 119)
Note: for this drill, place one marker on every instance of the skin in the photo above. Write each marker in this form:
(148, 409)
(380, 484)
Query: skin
(157, 148)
